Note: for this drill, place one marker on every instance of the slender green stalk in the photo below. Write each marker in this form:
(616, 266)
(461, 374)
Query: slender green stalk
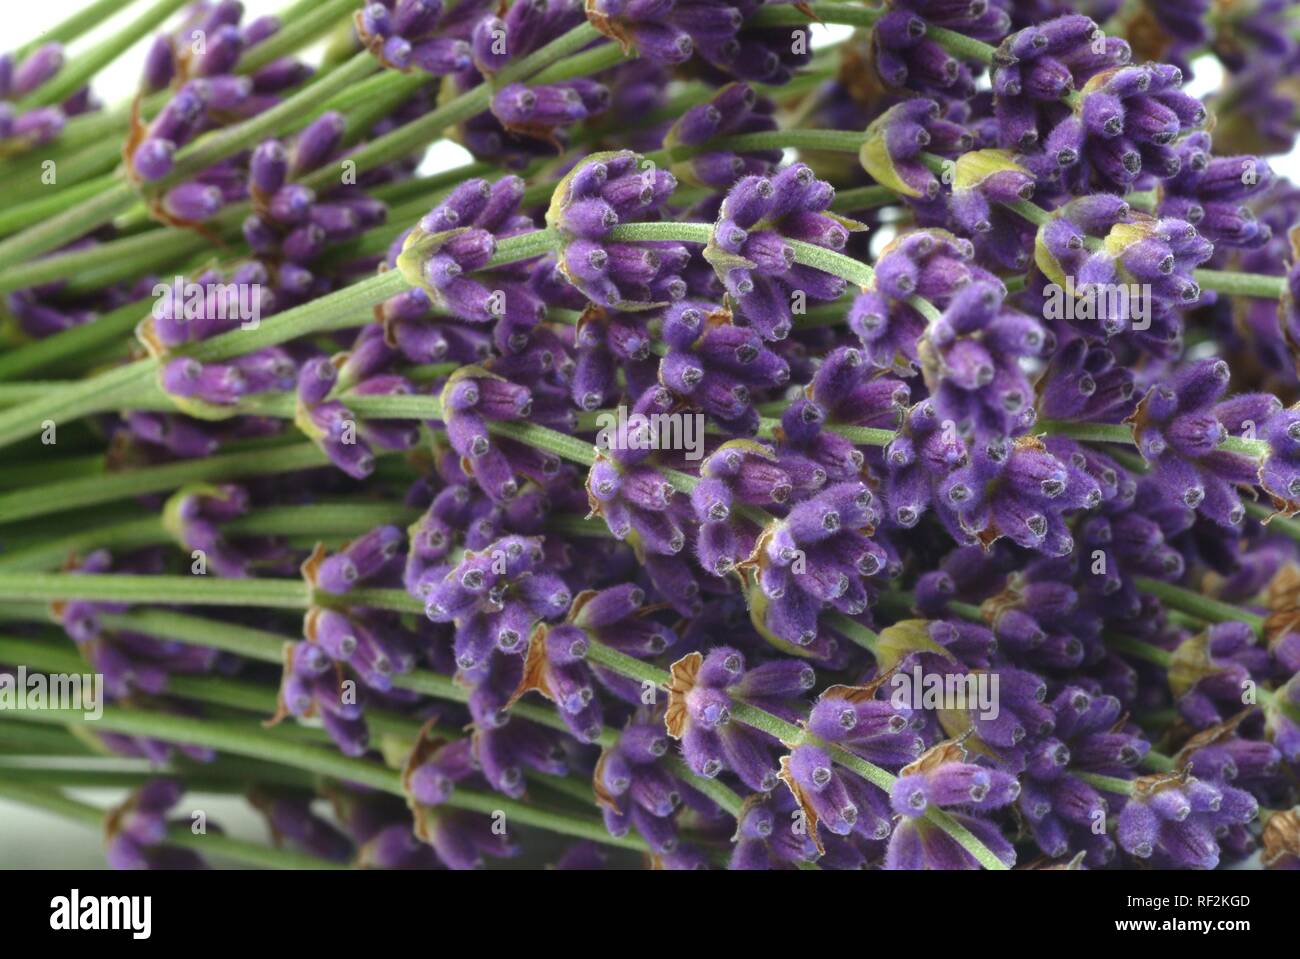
(1286, 526)
(807, 254)
(849, 14)
(83, 20)
(46, 555)
(582, 64)
(863, 198)
(1203, 607)
(67, 225)
(861, 435)
(17, 737)
(18, 215)
(831, 141)
(854, 631)
(1139, 649)
(1121, 433)
(26, 504)
(181, 590)
(218, 777)
(565, 45)
(341, 310)
(52, 469)
(1158, 761)
(328, 522)
(1242, 284)
(130, 256)
(1110, 784)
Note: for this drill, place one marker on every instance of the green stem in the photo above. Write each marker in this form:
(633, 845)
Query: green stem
(339, 310)
(863, 198)
(1285, 525)
(1202, 607)
(1242, 284)
(19, 215)
(128, 535)
(1110, 784)
(829, 141)
(788, 16)
(129, 256)
(807, 254)
(565, 45)
(85, 19)
(582, 64)
(67, 225)
(222, 777)
(95, 490)
(327, 522)
(181, 590)
(1139, 649)
(1158, 761)
(1121, 433)
(854, 631)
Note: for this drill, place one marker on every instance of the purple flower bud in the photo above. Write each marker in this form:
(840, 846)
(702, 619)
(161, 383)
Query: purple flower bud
(193, 202)
(318, 142)
(152, 159)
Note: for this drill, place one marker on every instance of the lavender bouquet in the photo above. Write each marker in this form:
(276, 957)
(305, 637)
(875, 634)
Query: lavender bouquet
(798, 435)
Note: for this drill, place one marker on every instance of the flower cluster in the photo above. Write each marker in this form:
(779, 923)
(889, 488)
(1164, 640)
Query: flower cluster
(750, 251)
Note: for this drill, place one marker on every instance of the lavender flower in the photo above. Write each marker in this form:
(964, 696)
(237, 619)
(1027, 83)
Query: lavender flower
(750, 252)
(1173, 822)
(604, 191)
